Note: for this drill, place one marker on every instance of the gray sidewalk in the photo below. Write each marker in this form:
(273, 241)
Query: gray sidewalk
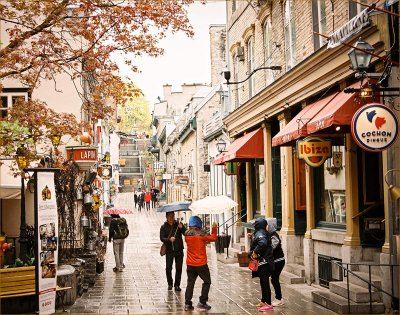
(142, 287)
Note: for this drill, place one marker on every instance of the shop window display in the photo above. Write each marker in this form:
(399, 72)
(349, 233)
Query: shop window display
(333, 194)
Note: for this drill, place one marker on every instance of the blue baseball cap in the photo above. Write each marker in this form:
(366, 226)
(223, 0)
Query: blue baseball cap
(195, 221)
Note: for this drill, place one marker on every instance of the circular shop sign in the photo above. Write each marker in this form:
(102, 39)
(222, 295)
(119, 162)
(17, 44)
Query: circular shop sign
(374, 127)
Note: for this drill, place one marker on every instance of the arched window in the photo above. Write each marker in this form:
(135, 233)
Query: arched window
(319, 22)
(290, 34)
(250, 64)
(268, 50)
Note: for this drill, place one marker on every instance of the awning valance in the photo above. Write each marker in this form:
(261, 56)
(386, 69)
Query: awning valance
(250, 146)
(334, 110)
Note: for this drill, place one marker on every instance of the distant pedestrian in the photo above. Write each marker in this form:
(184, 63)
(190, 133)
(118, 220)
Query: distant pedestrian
(135, 198)
(171, 234)
(261, 249)
(279, 260)
(153, 198)
(118, 231)
(196, 261)
(140, 196)
(147, 200)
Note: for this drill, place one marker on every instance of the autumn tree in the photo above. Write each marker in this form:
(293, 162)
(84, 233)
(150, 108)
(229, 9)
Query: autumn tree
(135, 115)
(46, 38)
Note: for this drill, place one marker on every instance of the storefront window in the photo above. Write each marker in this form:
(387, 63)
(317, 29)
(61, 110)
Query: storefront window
(331, 191)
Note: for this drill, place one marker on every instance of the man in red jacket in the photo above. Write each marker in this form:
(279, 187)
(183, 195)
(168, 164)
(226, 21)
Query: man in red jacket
(196, 262)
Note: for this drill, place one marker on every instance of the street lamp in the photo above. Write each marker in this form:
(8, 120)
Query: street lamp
(360, 55)
(227, 73)
(22, 162)
(221, 145)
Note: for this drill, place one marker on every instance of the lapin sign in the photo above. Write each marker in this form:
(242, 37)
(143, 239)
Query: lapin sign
(313, 150)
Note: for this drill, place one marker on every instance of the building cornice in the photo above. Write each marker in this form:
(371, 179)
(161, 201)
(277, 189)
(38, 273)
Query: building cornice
(316, 73)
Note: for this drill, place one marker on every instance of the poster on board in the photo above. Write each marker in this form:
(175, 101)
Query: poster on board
(47, 242)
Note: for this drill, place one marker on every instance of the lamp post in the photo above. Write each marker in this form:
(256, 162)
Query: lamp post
(21, 160)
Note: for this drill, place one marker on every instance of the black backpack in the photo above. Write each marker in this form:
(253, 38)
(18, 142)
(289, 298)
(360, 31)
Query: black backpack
(121, 229)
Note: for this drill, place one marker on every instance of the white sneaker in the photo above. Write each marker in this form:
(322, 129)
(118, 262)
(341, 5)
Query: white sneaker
(277, 303)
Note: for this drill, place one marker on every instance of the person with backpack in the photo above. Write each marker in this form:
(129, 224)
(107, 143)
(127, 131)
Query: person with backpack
(261, 250)
(171, 234)
(279, 260)
(118, 232)
(196, 239)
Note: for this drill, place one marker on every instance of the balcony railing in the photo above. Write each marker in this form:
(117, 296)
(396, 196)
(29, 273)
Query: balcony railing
(213, 125)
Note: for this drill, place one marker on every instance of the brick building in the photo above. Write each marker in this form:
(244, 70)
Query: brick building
(287, 82)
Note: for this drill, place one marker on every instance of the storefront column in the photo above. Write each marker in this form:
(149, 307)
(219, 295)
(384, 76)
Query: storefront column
(351, 249)
(386, 246)
(352, 237)
(289, 243)
(268, 169)
(249, 191)
(308, 243)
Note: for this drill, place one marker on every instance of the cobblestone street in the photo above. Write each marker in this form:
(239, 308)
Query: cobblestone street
(142, 287)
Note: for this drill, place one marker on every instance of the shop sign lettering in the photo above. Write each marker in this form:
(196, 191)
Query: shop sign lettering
(82, 154)
(314, 150)
(352, 27)
(374, 127)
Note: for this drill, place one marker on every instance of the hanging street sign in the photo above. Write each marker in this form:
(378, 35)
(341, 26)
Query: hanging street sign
(314, 150)
(374, 127)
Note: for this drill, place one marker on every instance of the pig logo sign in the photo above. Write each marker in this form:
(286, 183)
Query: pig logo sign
(314, 150)
(374, 127)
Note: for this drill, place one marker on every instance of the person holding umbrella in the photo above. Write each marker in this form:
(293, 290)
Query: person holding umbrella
(171, 234)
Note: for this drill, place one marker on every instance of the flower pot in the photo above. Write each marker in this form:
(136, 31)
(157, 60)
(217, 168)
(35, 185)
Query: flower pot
(243, 259)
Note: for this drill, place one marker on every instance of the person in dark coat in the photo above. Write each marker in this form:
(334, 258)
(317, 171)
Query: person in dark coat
(261, 249)
(279, 260)
(171, 234)
(135, 198)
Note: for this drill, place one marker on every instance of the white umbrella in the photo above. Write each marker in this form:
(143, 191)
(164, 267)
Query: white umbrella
(212, 205)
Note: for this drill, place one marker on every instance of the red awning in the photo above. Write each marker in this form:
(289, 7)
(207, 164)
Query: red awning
(334, 110)
(297, 127)
(250, 146)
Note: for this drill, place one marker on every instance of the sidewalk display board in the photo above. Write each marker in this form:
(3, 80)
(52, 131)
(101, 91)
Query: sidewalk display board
(47, 241)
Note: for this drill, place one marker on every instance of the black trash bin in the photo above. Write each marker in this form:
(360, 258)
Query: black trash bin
(222, 242)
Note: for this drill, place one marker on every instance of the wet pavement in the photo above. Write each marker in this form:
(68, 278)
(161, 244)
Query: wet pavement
(142, 287)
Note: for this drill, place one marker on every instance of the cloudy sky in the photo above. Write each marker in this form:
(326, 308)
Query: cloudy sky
(186, 60)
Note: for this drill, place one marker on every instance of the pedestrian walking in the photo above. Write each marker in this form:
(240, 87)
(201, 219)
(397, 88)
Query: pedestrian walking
(171, 234)
(261, 250)
(140, 200)
(196, 262)
(153, 198)
(117, 233)
(279, 260)
(147, 200)
(135, 198)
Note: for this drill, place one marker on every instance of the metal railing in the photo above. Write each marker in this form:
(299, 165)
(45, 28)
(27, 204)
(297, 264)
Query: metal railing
(347, 271)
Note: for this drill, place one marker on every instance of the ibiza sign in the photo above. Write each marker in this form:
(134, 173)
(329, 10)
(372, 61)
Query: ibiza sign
(374, 127)
(314, 150)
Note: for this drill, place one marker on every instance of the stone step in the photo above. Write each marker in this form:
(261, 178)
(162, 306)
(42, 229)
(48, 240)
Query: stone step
(357, 294)
(243, 240)
(290, 278)
(354, 280)
(339, 304)
(239, 247)
(296, 269)
(299, 260)
(375, 270)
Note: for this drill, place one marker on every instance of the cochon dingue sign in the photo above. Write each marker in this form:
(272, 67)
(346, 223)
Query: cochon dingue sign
(314, 150)
(374, 127)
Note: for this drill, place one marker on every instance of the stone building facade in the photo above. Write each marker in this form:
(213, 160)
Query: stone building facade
(324, 214)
